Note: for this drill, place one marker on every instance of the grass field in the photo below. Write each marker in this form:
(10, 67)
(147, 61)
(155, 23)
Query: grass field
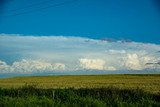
(81, 91)
(30, 96)
(149, 83)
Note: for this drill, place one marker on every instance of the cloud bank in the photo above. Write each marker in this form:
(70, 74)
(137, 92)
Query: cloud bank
(36, 54)
(97, 64)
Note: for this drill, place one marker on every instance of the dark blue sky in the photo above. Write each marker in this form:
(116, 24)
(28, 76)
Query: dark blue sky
(137, 20)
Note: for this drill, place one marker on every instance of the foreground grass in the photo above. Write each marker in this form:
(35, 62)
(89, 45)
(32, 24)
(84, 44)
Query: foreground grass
(30, 96)
(149, 83)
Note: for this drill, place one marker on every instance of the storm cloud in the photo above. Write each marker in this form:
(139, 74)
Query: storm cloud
(27, 54)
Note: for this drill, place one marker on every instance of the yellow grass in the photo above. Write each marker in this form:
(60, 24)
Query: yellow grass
(150, 83)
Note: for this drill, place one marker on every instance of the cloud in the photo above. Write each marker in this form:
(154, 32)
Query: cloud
(97, 64)
(132, 62)
(110, 68)
(31, 66)
(61, 53)
(117, 51)
(3, 65)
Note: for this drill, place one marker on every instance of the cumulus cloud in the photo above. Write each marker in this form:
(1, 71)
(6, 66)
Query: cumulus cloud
(132, 62)
(3, 65)
(60, 53)
(31, 66)
(97, 64)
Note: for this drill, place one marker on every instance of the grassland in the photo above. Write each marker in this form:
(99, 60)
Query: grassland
(30, 96)
(81, 91)
(149, 83)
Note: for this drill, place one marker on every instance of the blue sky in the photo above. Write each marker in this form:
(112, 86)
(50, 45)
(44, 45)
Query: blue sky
(137, 20)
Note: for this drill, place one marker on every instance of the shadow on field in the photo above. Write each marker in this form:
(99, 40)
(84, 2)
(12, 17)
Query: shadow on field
(29, 95)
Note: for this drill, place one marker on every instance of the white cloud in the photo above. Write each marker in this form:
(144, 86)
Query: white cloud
(3, 65)
(52, 53)
(132, 62)
(117, 51)
(110, 68)
(97, 64)
(32, 66)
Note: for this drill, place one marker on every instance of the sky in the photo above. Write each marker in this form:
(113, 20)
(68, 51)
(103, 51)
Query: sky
(136, 20)
(41, 54)
(41, 36)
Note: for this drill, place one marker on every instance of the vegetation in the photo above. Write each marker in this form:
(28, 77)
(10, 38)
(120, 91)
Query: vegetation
(81, 91)
(149, 82)
(30, 96)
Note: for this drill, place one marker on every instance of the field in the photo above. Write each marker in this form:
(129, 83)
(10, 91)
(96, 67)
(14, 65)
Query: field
(149, 83)
(81, 91)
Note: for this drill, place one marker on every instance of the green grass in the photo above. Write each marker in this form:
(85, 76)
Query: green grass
(149, 83)
(30, 96)
(81, 91)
